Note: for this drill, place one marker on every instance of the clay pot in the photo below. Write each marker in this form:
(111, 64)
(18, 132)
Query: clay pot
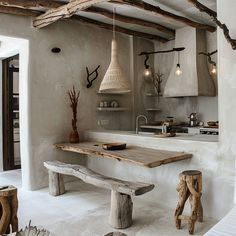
(74, 137)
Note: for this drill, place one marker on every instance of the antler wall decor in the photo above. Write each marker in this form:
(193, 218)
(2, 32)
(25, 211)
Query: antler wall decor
(213, 16)
(90, 82)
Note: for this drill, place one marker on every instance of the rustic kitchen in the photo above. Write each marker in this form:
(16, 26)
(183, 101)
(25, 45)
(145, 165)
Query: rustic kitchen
(117, 117)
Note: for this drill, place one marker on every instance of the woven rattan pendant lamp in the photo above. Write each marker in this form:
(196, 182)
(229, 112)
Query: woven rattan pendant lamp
(114, 80)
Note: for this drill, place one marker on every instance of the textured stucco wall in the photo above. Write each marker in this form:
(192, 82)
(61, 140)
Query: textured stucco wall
(47, 112)
(1, 154)
(180, 108)
(227, 91)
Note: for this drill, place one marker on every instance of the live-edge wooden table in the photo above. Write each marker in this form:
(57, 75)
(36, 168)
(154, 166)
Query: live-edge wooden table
(133, 154)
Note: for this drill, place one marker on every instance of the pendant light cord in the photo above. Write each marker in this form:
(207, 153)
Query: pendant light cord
(114, 23)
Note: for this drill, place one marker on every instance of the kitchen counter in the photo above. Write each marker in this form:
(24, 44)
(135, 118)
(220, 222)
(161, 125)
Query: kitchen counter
(182, 142)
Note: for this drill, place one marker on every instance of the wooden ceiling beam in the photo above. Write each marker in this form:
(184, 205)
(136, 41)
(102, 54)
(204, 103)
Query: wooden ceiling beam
(119, 29)
(19, 11)
(131, 20)
(29, 4)
(34, 13)
(157, 10)
(64, 11)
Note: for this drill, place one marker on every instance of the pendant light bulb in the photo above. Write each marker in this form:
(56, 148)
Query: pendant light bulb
(178, 71)
(147, 72)
(213, 69)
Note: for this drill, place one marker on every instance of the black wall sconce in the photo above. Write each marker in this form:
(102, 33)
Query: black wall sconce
(90, 82)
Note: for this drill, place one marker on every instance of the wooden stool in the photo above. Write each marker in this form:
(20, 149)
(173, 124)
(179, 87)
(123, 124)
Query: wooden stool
(190, 186)
(8, 210)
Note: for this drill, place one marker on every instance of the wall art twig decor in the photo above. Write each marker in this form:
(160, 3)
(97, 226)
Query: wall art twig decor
(213, 16)
(95, 72)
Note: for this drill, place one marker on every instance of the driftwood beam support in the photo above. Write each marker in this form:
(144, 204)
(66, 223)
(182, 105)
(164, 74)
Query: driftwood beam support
(190, 186)
(121, 210)
(8, 210)
(56, 184)
(213, 16)
(121, 191)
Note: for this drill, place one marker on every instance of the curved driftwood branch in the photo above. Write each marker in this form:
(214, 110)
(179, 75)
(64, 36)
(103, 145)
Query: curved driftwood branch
(90, 82)
(209, 54)
(213, 16)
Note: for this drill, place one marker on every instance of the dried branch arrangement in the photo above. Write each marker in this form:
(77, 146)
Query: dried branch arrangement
(90, 82)
(74, 98)
(157, 80)
(32, 231)
(213, 16)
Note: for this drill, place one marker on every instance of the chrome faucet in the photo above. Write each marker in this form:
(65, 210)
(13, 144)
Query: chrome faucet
(137, 125)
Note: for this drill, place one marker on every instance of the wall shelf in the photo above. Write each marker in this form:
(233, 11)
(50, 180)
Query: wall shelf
(112, 109)
(153, 109)
(99, 93)
(152, 95)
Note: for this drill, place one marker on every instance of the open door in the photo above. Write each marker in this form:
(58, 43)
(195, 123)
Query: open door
(11, 135)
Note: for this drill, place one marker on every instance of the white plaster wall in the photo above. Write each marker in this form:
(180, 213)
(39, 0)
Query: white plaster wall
(180, 108)
(227, 91)
(1, 150)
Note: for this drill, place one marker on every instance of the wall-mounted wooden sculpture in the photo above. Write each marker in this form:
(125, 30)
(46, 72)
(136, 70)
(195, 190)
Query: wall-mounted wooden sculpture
(90, 82)
(213, 16)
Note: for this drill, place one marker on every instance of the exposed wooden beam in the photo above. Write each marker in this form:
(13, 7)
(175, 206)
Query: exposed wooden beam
(213, 16)
(64, 11)
(119, 29)
(130, 20)
(29, 4)
(28, 12)
(19, 11)
(157, 10)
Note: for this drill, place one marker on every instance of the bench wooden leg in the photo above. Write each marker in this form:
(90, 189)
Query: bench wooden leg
(56, 184)
(121, 210)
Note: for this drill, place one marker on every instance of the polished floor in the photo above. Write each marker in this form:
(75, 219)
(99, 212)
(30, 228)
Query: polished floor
(84, 209)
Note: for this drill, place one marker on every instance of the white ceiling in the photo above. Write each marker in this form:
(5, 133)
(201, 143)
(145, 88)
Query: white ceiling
(179, 7)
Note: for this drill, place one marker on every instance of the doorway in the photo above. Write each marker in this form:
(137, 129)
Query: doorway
(10, 106)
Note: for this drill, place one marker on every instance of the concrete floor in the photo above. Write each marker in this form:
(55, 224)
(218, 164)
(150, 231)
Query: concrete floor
(84, 210)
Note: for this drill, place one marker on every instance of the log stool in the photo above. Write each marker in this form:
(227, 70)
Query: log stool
(190, 186)
(8, 210)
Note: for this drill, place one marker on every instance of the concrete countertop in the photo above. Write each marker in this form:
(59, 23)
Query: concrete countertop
(179, 136)
(182, 142)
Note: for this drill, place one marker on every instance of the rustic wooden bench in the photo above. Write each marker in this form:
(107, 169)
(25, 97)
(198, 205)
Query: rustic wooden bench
(121, 191)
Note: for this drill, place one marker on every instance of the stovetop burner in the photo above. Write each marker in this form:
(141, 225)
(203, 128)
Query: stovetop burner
(209, 131)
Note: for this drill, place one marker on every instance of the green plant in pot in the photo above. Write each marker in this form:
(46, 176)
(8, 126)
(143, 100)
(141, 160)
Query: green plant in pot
(74, 98)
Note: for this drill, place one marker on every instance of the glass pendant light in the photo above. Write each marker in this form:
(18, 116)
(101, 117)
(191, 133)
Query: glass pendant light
(213, 69)
(147, 71)
(178, 71)
(114, 80)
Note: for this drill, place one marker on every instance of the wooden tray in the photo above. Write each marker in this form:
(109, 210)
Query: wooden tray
(167, 135)
(114, 146)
